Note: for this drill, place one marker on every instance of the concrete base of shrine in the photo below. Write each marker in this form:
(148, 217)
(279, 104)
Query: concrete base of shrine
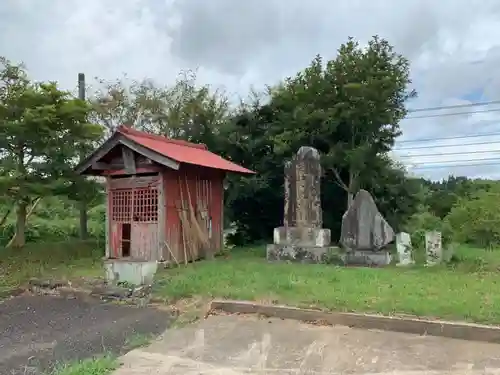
(302, 254)
(134, 272)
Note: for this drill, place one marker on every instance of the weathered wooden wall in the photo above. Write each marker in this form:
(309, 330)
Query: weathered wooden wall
(180, 193)
(200, 190)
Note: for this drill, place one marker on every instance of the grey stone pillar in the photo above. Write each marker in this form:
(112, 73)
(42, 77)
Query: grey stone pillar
(301, 238)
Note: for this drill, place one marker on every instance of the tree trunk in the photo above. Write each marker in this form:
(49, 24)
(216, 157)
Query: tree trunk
(20, 239)
(350, 198)
(83, 220)
(27, 216)
(351, 188)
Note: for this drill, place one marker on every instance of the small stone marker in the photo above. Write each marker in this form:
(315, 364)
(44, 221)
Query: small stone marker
(433, 248)
(301, 238)
(404, 248)
(448, 252)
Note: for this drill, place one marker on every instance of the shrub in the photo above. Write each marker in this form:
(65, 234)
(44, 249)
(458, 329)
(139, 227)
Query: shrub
(476, 221)
(44, 230)
(425, 221)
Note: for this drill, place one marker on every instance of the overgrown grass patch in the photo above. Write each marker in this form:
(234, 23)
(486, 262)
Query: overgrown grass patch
(93, 366)
(138, 341)
(65, 260)
(465, 289)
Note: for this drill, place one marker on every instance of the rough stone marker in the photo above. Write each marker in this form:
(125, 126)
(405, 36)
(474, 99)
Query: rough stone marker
(433, 248)
(365, 232)
(302, 238)
(405, 249)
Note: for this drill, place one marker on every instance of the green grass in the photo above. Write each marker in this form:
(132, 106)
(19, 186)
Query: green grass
(138, 340)
(464, 290)
(65, 260)
(467, 289)
(94, 366)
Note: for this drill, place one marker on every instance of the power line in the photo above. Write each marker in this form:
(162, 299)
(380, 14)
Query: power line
(453, 166)
(451, 153)
(445, 146)
(453, 161)
(443, 163)
(451, 137)
(453, 114)
(468, 105)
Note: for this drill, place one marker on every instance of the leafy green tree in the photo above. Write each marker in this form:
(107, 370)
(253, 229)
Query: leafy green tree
(183, 110)
(349, 108)
(423, 221)
(254, 203)
(397, 196)
(476, 220)
(443, 195)
(42, 130)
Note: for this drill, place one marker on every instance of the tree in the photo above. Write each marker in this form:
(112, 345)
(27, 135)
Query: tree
(254, 203)
(349, 108)
(42, 129)
(476, 220)
(443, 195)
(183, 110)
(397, 196)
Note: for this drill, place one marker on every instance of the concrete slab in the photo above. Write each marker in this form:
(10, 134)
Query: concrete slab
(404, 324)
(237, 344)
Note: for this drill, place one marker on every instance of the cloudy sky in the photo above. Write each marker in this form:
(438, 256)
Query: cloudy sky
(453, 46)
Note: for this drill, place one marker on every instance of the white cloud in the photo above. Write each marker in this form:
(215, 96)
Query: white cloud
(452, 44)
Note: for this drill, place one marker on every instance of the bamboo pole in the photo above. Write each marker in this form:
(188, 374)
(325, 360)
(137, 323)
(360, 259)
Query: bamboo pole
(184, 236)
(186, 229)
(201, 235)
(171, 252)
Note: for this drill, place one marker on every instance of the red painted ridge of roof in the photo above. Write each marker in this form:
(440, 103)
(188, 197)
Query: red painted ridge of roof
(182, 151)
(126, 130)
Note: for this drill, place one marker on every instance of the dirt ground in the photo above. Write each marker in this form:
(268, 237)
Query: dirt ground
(235, 345)
(37, 331)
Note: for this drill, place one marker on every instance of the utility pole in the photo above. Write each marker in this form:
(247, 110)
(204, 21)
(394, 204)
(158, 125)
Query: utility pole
(82, 201)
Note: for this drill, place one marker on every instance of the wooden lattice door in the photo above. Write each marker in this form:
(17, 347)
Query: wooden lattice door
(121, 220)
(144, 231)
(134, 222)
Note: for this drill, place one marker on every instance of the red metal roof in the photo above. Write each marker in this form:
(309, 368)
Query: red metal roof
(181, 151)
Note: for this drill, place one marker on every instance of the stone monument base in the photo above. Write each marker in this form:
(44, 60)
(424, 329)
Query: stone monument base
(300, 253)
(367, 258)
(317, 237)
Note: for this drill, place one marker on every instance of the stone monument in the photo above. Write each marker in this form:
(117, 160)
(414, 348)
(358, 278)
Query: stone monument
(365, 233)
(433, 248)
(404, 249)
(301, 238)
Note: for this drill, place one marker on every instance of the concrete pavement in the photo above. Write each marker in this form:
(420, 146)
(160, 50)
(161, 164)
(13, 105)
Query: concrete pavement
(237, 344)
